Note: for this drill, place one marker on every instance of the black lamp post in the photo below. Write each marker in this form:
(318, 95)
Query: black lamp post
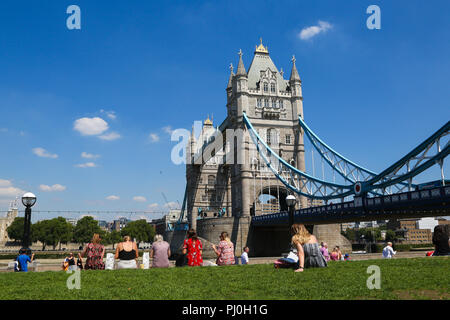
(28, 200)
(291, 201)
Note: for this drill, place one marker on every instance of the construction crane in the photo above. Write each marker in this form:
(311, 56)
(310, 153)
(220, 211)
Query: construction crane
(165, 199)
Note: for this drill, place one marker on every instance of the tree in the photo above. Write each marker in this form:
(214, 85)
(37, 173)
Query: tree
(52, 232)
(41, 231)
(350, 234)
(139, 230)
(85, 229)
(114, 237)
(391, 236)
(15, 230)
(61, 230)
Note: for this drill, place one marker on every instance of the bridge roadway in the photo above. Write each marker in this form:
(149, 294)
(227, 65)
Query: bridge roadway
(414, 204)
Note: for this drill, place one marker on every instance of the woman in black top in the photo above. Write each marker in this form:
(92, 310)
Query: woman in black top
(71, 261)
(127, 253)
(441, 240)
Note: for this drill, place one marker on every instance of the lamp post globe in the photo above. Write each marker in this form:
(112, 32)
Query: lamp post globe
(28, 200)
(291, 200)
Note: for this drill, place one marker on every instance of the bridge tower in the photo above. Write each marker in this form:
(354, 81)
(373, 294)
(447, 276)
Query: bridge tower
(273, 105)
(242, 186)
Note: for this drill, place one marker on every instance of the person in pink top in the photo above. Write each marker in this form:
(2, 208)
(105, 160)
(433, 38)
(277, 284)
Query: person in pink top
(224, 251)
(160, 252)
(324, 251)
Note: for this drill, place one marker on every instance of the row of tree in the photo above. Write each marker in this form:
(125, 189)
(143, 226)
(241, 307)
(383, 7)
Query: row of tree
(58, 231)
(369, 235)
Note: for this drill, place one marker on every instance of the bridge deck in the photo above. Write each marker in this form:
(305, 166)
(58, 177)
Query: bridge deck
(415, 204)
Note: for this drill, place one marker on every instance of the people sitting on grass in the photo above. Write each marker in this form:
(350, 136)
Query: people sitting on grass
(309, 255)
(80, 263)
(388, 252)
(224, 251)
(441, 240)
(193, 249)
(160, 252)
(244, 255)
(127, 253)
(94, 252)
(69, 263)
(23, 259)
(340, 255)
(324, 251)
(334, 254)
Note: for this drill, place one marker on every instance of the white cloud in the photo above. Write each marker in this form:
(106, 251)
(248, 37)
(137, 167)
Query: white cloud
(110, 136)
(139, 199)
(41, 152)
(89, 155)
(110, 114)
(153, 206)
(172, 205)
(153, 137)
(55, 187)
(112, 197)
(90, 126)
(8, 192)
(168, 130)
(5, 183)
(309, 32)
(86, 165)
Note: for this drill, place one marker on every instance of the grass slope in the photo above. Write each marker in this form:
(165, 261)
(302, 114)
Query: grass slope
(420, 278)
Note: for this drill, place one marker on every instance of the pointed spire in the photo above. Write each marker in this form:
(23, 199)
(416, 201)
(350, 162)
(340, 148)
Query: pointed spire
(294, 72)
(281, 72)
(231, 76)
(241, 69)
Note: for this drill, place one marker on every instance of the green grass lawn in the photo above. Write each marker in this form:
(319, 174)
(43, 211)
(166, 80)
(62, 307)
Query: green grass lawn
(419, 278)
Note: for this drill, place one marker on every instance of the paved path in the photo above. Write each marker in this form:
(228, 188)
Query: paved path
(55, 264)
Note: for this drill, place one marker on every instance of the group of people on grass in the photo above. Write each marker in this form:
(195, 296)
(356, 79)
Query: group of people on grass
(127, 253)
(305, 253)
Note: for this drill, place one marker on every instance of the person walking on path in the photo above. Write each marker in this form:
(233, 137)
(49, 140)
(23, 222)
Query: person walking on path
(388, 252)
(160, 252)
(193, 248)
(224, 251)
(94, 252)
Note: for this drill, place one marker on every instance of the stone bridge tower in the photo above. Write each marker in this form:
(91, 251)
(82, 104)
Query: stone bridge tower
(225, 189)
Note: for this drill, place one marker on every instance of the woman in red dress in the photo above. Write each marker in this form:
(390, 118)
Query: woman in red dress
(94, 253)
(192, 246)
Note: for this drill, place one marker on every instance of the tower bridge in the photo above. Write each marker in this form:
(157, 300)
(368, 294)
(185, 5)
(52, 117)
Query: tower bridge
(258, 153)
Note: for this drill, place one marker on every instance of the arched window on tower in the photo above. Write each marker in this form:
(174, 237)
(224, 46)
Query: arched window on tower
(266, 103)
(211, 180)
(259, 103)
(269, 136)
(266, 87)
(272, 87)
(274, 103)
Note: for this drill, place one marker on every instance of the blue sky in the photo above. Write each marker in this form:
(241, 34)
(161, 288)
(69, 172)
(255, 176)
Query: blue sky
(146, 67)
